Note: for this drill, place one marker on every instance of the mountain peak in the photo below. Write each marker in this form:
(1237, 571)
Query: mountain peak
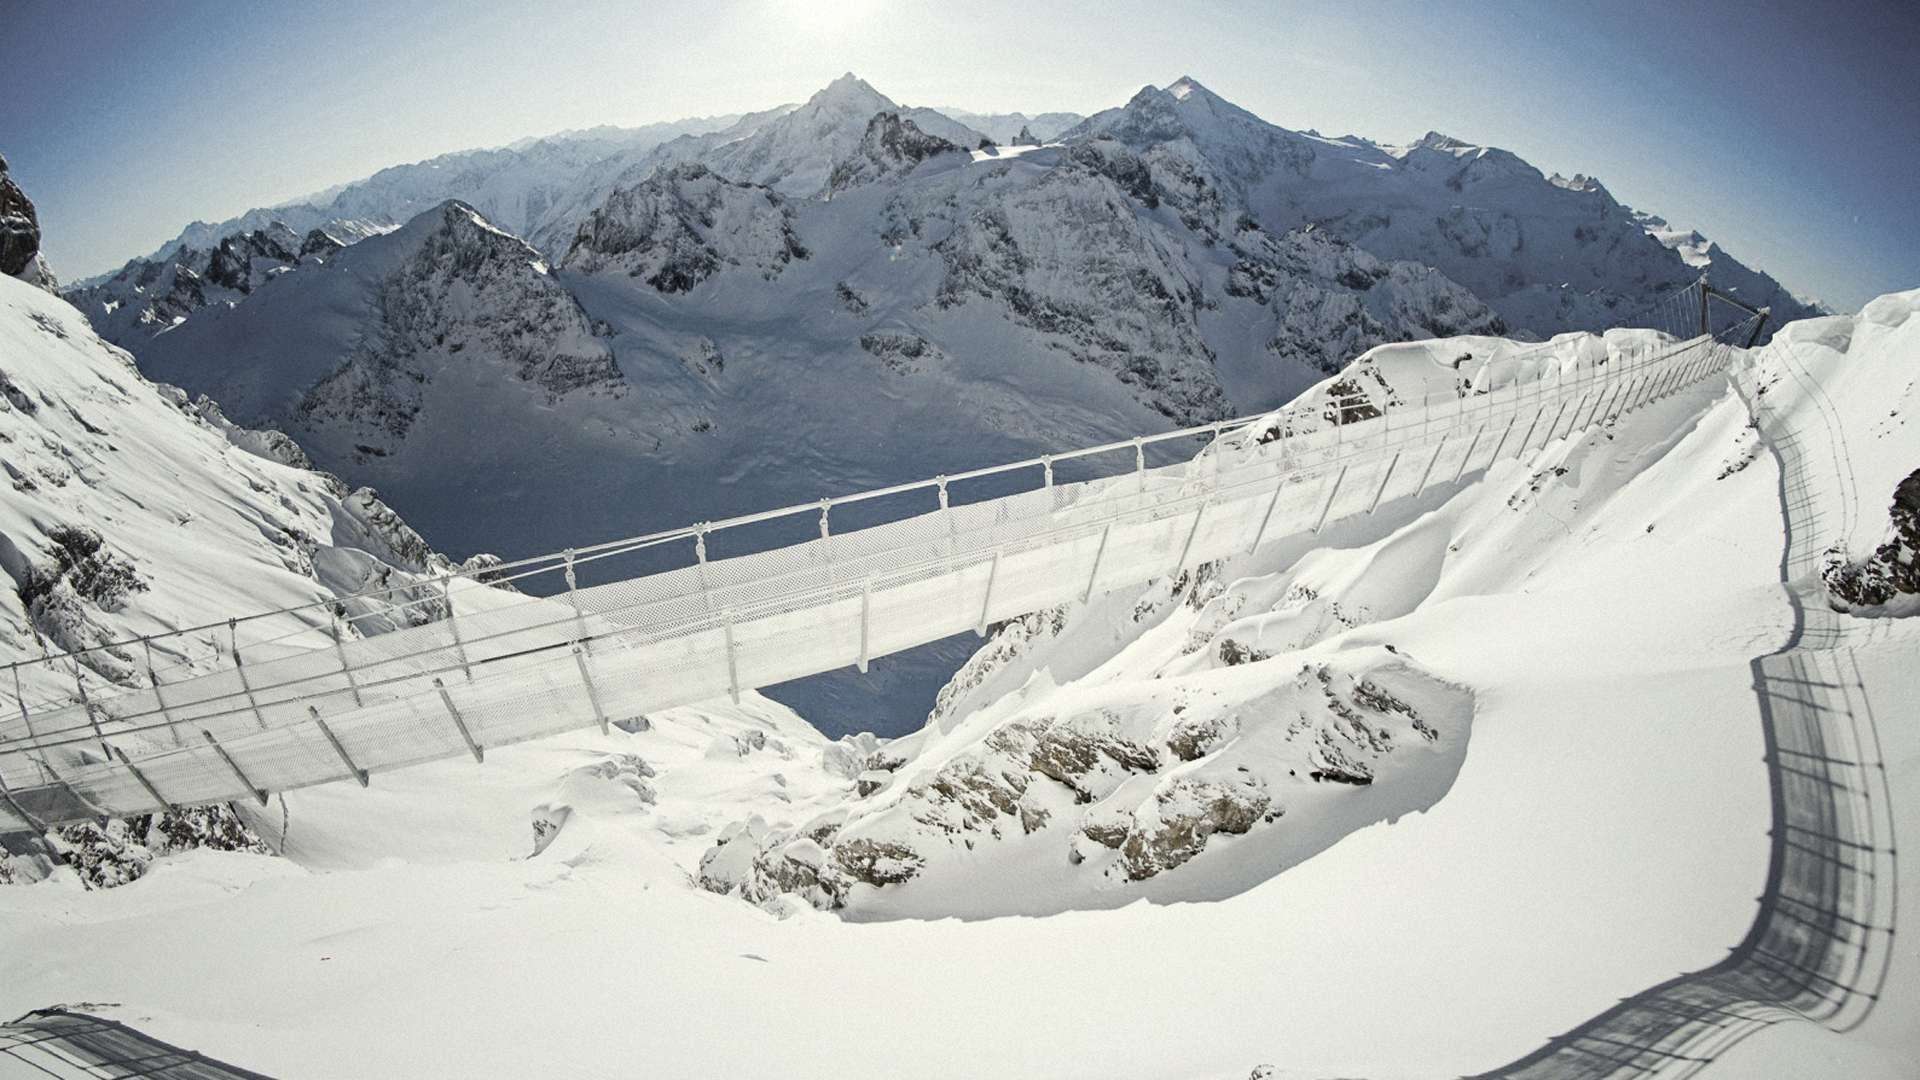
(1186, 86)
(850, 91)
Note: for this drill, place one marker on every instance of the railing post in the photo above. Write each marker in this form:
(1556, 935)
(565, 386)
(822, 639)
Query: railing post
(580, 637)
(866, 617)
(1427, 473)
(1098, 554)
(733, 663)
(1384, 477)
(1327, 505)
(1046, 471)
(1140, 465)
(479, 755)
(1555, 423)
(1260, 534)
(160, 699)
(700, 564)
(593, 693)
(1497, 447)
(20, 698)
(1521, 450)
(453, 623)
(165, 806)
(353, 770)
(340, 651)
(1468, 456)
(240, 670)
(986, 601)
(86, 703)
(258, 793)
(1187, 548)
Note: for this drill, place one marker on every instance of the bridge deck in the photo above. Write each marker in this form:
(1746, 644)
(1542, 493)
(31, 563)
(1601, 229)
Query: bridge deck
(509, 668)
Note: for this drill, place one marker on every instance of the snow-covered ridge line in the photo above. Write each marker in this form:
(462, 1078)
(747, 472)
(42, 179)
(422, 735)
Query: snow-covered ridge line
(533, 667)
(1331, 404)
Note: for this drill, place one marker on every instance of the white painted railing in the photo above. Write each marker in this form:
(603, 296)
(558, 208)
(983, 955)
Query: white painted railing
(507, 667)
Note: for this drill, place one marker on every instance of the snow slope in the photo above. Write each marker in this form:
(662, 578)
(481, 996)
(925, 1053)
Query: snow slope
(132, 509)
(841, 301)
(1605, 827)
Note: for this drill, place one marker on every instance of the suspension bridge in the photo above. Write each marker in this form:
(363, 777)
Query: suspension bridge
(276, 711)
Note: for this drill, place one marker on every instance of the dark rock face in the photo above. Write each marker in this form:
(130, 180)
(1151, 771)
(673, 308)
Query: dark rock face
(19, 226)
(319, 242)
(1893, 570)
(122, 850)
(890, 146)
(681, 226)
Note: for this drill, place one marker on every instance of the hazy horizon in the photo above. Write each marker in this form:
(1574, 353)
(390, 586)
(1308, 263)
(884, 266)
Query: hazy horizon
(131, 121)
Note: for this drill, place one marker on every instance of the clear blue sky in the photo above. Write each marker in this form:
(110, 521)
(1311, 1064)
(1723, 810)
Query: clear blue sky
(1788, 132)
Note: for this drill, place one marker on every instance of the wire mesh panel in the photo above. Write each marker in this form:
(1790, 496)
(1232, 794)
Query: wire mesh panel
(493, 668)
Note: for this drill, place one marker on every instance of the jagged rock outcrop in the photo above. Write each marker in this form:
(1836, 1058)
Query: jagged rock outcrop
(1132, 784)
(150, 295)
(466, 294)
(20, 236)
(890, 146)
(1892, 572)
(684, 225)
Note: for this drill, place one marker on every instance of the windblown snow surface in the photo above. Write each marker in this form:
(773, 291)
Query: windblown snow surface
(1587, 818)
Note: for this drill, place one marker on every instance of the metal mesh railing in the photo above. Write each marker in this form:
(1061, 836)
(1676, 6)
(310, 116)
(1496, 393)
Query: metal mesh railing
(506, 667)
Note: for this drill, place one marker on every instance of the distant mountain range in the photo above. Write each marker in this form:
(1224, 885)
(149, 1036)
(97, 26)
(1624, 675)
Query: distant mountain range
(612, 331)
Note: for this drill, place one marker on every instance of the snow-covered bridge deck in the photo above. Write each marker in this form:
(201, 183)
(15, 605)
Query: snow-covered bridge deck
(509, 667)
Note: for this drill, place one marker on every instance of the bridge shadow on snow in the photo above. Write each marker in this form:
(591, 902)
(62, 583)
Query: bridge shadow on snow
(58, 1043)
(1821, 943)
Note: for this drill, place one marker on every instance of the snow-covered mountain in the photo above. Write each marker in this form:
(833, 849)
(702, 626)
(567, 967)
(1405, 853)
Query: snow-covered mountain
(1504, 660)
(1547, 253)
(151, 296)
(134, 508)
(1006, 128)
(349, 351)
(846, 293)
(513, 185)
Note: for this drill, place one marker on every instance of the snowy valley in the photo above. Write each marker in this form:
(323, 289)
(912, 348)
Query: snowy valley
(1437, 780)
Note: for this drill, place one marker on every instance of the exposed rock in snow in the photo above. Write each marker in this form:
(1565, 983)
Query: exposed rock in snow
(891, 145)
(123, 850)
(148, 297)
(20, 236)
(136, 511)
(1892, 572)
(682, 226)
(1123, 785)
